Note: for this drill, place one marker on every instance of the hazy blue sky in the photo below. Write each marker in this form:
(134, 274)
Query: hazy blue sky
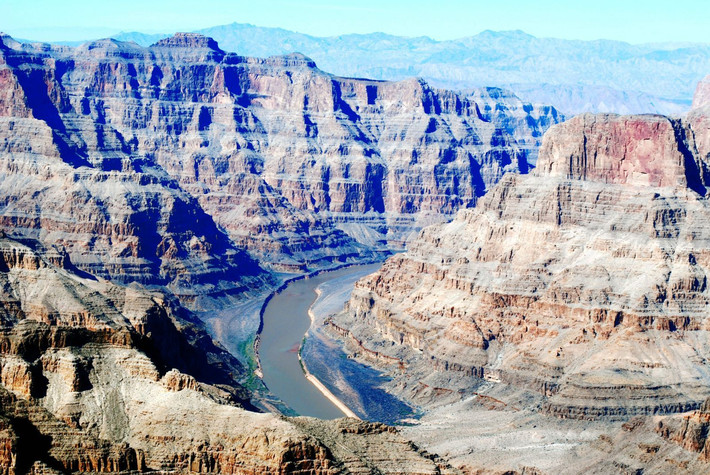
(635, 21)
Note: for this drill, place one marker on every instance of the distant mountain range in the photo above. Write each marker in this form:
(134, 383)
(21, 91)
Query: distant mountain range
(574, 76)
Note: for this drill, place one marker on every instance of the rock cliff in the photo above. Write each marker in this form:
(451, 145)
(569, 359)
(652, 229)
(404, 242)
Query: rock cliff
(702, 94)
(585, 282)
(578, 292)
(300, 167)
(97, 377)
(72, 181)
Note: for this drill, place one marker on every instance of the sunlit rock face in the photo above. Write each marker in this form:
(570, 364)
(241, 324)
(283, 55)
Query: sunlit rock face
(72, 180)
(300, 167)
(702, 94)
(584, 283)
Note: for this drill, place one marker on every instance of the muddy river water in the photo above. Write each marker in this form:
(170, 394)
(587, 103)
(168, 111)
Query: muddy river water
(286, 321)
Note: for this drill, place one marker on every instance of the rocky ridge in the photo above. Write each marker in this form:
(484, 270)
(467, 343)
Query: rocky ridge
(578, 291)
(86, 386)
(299, 167)
(574, 76)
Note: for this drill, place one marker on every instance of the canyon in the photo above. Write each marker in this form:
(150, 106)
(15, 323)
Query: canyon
(299, 168)
(549, 309)
(98, 377)
(577, 293)
(145, 190)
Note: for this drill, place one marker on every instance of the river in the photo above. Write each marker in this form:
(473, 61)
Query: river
(286, 321)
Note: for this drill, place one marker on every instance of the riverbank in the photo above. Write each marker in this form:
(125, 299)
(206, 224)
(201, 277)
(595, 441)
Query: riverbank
(315, 381)
(326, 392)
(257, 339)
(360, 387)
(286, 320)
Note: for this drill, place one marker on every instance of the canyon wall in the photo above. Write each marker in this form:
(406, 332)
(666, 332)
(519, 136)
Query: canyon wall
(583, 284)
(299, 167)
(73, 181)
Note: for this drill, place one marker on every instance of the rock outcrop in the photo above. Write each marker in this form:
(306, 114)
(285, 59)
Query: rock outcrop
(300, 167)
(583, 284)
(97, 377)
(690, 430)
(702, 94)
(636, 150)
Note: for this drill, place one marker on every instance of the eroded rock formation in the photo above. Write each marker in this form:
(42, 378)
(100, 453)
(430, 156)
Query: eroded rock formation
(70, 180)
(131, 144)
(97, 377)
(585, 282)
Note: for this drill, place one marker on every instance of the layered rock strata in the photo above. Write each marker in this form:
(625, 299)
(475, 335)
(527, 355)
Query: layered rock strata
(86, 385)
(301, 167)
(690, 431)
(584, 284)
(74, 181)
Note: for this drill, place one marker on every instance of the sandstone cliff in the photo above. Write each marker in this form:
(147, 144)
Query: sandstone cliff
(585, 282)
(86, 385)
(579, 291)
(295, 164)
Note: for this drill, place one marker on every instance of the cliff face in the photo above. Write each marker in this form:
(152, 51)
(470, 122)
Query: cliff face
(73, 181)
(295, 164)
(635, 150)
(585, 283)
(702, 94)
(86, 385)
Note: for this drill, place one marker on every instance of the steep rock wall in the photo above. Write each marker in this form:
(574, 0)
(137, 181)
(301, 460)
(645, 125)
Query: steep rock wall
(283, 156)
(585, 283)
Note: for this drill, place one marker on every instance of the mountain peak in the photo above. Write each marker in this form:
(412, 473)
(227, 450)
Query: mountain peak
(508, 34)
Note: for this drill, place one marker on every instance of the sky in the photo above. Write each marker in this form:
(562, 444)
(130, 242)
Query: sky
(633, 21)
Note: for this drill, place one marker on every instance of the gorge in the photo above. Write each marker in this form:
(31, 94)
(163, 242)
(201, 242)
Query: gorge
(575, 293)
(145, 193)
(548, 309)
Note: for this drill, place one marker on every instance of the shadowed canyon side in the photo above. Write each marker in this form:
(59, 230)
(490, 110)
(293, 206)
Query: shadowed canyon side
(300, 167)
(87, 385)
(579, 291)
(74, 181)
